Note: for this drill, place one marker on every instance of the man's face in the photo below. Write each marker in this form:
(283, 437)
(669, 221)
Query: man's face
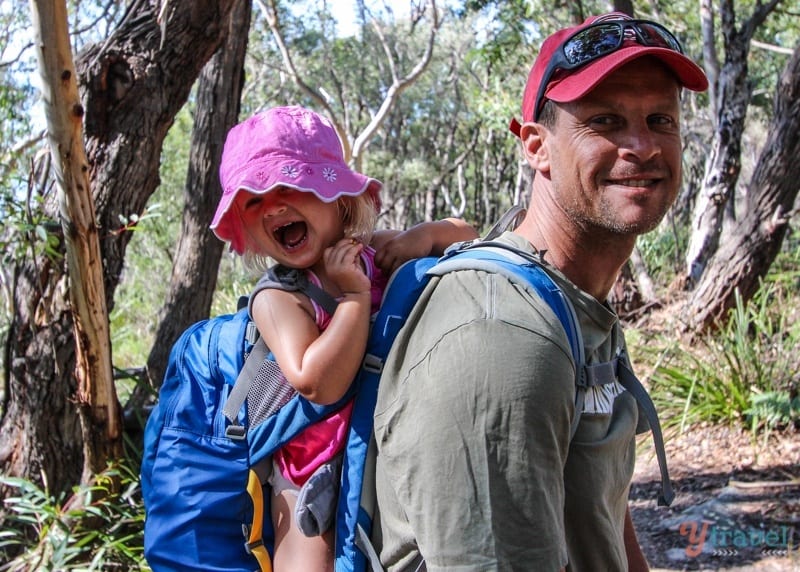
(615, 154)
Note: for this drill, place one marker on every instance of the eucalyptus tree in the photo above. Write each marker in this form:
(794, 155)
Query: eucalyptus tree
(731, 92)
(198, 252)
(97, 406)
(749, 244)
(132, 83)
(714, 272)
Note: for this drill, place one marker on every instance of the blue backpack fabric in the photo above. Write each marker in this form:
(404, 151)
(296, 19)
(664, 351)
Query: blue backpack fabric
(196, 469)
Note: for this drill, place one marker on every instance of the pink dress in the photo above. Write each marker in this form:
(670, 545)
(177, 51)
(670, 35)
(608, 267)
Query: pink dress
(319, 443)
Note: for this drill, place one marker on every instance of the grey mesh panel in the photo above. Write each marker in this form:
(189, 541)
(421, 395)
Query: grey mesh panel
(268, 392)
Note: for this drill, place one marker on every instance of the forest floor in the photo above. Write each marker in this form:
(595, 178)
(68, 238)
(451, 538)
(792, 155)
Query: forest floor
(737, 503)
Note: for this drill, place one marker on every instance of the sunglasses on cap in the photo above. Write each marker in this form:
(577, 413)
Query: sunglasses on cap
(598, 40)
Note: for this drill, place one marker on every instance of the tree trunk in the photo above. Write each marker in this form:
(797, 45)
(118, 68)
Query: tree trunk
(132, 86)
(724, 162)
(197, 256)
(749, 248)
(96, 397)
(732, 93)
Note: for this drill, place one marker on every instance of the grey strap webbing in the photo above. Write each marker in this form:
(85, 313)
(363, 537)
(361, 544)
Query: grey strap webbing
(630, 382)
(241, 388)
(364, 544)
(508, 221)
(367, 504)
(321, 297)
(617, 370)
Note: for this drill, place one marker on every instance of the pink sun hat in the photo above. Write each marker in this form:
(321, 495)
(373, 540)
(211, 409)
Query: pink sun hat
(283, 147)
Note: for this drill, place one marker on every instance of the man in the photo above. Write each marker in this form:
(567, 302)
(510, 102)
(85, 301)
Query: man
(476, 469)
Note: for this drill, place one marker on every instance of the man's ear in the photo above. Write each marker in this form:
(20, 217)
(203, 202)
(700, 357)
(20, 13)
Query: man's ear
(533, 137)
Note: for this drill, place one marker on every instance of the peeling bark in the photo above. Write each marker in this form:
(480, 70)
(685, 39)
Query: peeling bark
(748, 249)
(131, 87)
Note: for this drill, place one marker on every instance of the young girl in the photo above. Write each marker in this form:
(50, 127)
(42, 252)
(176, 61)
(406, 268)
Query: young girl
(288, 196)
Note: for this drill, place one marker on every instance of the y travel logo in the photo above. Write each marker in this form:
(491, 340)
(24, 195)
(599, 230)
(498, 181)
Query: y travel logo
(778, 540)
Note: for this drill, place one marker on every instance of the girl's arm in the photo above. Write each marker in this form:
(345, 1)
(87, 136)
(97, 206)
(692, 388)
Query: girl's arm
(393, 247)
(319, 365)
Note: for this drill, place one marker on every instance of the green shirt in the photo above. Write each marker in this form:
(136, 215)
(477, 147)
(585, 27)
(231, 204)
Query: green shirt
(475, 468)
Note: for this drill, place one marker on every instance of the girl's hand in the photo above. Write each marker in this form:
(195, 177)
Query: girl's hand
(343, 266)
(403, 246)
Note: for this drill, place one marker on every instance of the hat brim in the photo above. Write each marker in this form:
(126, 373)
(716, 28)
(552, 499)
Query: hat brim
(314, 179)
(579, 83)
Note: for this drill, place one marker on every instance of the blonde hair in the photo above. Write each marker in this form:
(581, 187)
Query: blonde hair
(359, 218)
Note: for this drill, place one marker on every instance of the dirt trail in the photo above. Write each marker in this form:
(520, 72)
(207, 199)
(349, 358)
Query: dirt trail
(737, 504)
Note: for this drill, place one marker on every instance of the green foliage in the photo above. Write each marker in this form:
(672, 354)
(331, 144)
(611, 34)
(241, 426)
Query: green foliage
(661, 250)
(233, 281)
(773, 410)
(785, 271)
(505, 27)
(746, 374)
(25, 230)
(94, 529)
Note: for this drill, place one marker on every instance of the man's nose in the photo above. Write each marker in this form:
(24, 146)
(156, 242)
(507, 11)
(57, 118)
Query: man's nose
(640, 141)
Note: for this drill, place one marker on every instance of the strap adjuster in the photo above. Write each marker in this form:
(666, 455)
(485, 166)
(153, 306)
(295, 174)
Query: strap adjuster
(251, 332)
(235, 432)
(251, 546)
(372, 364)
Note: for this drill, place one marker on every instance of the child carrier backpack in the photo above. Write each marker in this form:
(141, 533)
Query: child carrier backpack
(212, 432)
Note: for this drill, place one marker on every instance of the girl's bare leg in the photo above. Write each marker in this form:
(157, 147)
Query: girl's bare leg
(295, 552)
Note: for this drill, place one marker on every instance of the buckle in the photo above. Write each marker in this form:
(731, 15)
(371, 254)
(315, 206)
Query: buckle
(372, 364)
(251, 546)
(235, 432)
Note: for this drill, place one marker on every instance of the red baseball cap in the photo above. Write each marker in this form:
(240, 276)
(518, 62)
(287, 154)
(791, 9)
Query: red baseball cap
(568, 85)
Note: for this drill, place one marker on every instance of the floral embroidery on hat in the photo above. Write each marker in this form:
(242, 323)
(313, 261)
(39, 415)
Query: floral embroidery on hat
(329, 174)
(290, 171)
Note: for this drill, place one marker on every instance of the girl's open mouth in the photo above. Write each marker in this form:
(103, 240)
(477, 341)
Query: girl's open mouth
(291, 235)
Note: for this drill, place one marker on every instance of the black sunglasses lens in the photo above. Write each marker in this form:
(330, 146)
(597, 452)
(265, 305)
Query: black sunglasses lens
(592, 43)
(655, 35)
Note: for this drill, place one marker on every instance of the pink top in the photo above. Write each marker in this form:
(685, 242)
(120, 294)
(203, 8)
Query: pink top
(320, 442)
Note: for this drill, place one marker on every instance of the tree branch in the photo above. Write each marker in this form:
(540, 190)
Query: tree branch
(398, 84)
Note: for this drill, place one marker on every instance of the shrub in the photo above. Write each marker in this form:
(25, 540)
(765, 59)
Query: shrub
(746, 373)
(94, 529)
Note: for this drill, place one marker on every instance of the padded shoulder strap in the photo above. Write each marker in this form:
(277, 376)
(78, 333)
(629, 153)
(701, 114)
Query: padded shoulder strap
(282, 278)
(294, 280)
(522, 268)
(525, 268)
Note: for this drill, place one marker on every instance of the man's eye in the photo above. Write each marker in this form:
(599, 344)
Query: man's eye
(603, 120)
(664, 123)
(661, 120)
